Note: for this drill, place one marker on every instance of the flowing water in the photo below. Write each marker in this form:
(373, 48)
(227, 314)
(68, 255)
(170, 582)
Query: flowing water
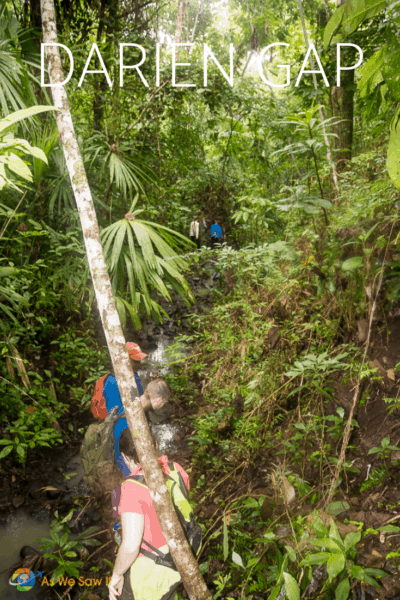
(157, 364)
(20, 528)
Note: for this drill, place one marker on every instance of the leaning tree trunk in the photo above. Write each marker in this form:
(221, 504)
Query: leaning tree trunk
(180, 550)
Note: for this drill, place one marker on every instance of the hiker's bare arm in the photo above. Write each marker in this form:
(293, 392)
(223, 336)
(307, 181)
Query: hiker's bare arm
(132, 534)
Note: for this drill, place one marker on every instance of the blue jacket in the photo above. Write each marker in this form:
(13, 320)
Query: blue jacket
(217, 230)
(112, 397)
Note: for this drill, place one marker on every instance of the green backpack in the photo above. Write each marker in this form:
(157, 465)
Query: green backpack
(180, 500)
(97, 456)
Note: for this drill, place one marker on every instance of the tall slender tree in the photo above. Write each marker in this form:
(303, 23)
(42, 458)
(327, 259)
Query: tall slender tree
(180, 15)
(321, 114)
(180, 550)
(343, 109)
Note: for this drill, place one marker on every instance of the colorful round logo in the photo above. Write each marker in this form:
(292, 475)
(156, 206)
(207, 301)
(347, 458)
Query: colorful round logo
(23, 579)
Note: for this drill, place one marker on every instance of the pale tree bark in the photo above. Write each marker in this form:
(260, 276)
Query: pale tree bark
(247, 64)
(180, 550)
(180, 15)
(321, 113)
(196, 22)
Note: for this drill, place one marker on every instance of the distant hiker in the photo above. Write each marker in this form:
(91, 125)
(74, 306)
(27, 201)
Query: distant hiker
(195, 232)
(100, 453)
(144, 569)
(216, 234)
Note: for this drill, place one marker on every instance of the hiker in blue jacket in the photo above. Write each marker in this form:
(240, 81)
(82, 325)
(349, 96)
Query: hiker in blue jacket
(112, 398)
(216, 234)
(107, 399)
(111, 391)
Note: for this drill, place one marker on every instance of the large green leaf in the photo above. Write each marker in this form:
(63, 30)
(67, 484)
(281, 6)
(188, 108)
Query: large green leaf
(352, 539)
(371, 72)
(6, 451)
(393, 11)
(352, 263)
(6, 271)
(333, 25)
(19, 115)
(371, 581)
(335, 565)
(274, 592)
(375, 572)
(335, 508)
(342, 590)
(18, 166)
(335, 535)
(291, 587)
(393, 154)
(391, 66)
(357, 572)
(353, 13)
(237, 559)
(357, 11)
(316, 559)
(24, 146)
(328, 543)
(117, 164)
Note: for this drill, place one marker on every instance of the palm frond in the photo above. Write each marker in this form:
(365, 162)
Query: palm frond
(145, 244)
(57, 176)
(117, 165)
(45, 138)
(141, 259)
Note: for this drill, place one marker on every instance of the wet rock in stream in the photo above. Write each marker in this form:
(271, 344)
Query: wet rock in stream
(27, 551)
(18, 501)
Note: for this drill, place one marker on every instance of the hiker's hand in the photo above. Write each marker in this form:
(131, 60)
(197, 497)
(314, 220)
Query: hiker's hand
(115, 587)
(112, 415)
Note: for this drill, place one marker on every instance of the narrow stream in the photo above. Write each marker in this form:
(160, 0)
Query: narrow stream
(20, 527)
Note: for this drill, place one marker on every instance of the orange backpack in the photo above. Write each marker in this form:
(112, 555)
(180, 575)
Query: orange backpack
(99, 408)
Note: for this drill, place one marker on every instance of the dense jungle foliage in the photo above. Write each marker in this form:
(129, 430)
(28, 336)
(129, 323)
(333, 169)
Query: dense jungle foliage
(291, 395)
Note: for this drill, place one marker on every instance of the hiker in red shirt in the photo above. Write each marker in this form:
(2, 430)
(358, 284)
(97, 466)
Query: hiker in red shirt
(136, 575)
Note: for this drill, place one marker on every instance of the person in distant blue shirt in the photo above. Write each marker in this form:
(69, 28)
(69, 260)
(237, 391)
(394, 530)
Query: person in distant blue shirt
(216, 234)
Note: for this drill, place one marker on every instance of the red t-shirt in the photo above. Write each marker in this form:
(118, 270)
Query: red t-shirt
(135, 498)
